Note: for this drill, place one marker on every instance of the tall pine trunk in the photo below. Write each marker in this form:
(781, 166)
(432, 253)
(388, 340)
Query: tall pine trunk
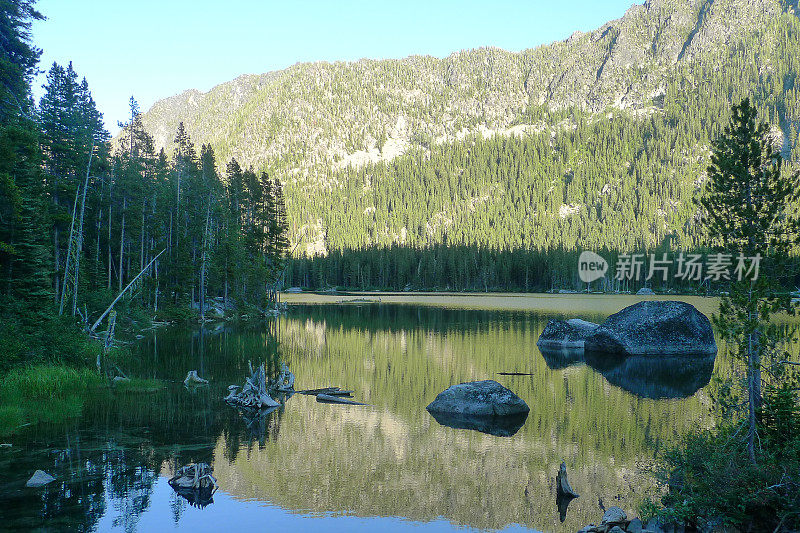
(122, 243)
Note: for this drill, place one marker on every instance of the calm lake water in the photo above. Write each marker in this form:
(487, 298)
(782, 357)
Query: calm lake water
(388, 466)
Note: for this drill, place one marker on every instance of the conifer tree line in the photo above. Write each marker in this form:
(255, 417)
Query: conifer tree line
(81, 217)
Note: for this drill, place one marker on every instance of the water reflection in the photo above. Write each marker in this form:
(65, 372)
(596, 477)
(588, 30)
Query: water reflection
(655, 377)
(390, 459)
(645, 376)
(500, 426)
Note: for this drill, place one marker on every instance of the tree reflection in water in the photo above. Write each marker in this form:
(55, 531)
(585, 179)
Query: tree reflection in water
(387, 460)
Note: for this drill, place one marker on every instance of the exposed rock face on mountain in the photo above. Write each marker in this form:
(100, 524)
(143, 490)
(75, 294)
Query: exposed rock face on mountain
(612, 131)
(371, 109)
(654, 328)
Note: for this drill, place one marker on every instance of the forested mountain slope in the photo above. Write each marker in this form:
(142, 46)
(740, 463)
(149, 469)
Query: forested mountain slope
(599, 140)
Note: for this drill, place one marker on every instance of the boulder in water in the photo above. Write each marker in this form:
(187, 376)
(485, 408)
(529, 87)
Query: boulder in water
(557, 358)
(481, 398)
(565, 334)
(655, 328)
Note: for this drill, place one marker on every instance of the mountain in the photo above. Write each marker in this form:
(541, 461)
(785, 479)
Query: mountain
(598, 140)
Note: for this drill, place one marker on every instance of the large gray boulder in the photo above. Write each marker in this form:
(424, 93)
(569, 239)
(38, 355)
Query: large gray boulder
(655, 328)
(478, 398)
(565, 334)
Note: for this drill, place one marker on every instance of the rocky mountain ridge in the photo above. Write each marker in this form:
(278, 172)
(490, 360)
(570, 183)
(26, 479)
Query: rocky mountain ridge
(338, 113)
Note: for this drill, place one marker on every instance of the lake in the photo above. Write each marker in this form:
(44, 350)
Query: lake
(386, 466)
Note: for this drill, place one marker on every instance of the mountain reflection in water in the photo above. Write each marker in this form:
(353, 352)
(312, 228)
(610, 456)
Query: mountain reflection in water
(386, 466)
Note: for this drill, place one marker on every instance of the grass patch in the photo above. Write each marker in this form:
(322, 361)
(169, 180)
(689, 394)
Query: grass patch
(133, 385)
(45, 381)
(11, 417)
(43, 393)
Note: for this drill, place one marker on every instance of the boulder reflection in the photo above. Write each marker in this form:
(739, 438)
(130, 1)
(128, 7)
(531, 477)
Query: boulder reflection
(646, 376)
(655, 377)
(499, 426)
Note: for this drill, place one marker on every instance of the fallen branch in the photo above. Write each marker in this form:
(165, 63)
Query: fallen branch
(193, 476)
(330, 391)
(326, 398)
(121, 294)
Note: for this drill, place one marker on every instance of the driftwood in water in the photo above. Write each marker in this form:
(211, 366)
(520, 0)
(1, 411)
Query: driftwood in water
(193, 476)
(253, 394)
(330, 391)
(285, 380)
(563, 490)
(327, 398)
(195, 483)
(193, 379)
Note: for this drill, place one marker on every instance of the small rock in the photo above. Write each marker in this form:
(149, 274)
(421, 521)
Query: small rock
(635, 526)
(616, 529)
(655, 526)
(120, 379)
(40, 478)
(714, 525)
(5, 445)
(193, 378)
(614, 515)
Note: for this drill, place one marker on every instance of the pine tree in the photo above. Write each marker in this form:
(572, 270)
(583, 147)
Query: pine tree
(748, 206)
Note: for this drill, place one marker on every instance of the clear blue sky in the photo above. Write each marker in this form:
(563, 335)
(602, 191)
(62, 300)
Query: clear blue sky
(153, 49)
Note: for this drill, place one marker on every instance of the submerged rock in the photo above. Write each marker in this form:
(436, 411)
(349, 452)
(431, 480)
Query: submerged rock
(499, 426)
(565, 333)
(655, 328)
(40, 478)
(481, 398)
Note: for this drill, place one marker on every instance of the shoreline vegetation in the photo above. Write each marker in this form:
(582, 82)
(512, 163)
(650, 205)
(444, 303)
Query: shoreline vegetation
(195, 236)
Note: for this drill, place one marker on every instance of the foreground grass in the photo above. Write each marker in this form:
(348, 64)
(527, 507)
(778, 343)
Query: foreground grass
(44, 393)
(52, 393)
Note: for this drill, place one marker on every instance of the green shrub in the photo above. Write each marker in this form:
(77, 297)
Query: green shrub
(710, 477)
